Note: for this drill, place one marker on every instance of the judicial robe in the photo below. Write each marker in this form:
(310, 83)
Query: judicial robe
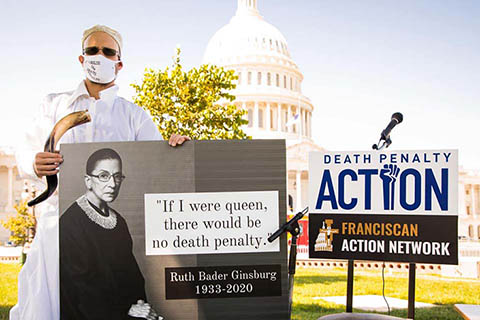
(99, 276)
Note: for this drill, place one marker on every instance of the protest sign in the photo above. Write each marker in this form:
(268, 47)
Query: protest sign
(389, 206)
(197, 217)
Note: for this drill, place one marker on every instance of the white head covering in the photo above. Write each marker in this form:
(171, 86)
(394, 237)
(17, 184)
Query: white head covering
(96, 28)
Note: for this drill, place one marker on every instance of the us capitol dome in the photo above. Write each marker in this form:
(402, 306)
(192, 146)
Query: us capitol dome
(269, 88)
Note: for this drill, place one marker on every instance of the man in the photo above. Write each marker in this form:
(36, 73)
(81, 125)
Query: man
(99, 276)
(113, 119)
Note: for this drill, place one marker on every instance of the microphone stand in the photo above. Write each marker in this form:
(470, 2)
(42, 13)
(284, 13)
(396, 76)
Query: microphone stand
(385, 143)
(385, 137)
(293, 228)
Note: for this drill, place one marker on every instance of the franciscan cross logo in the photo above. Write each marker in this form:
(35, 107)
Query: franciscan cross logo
(324, 240)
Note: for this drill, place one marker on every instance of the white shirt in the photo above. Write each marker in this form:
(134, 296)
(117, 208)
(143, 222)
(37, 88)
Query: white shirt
(113, 119)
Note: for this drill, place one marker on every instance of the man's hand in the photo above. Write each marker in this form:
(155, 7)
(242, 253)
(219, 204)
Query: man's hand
(47, 163)
(177, 139)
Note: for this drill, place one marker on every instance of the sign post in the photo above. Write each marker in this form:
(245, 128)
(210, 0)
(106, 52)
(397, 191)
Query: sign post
(349, 305)
(411, 290)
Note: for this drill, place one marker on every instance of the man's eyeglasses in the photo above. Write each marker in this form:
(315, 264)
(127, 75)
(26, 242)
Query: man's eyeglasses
(105, 177)
(109, 52)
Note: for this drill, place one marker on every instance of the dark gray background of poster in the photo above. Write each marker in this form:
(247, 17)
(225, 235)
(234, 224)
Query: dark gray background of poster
(197, 166)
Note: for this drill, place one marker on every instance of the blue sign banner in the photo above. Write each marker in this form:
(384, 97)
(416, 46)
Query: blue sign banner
(399, 182)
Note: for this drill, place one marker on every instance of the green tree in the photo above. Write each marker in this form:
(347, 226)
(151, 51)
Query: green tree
(20, 225)
(189, 102)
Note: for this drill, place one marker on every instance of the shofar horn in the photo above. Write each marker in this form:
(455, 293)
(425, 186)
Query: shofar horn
(63, 125)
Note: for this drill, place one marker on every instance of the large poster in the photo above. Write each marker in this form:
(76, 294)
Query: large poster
(384, 206)
(180, 232)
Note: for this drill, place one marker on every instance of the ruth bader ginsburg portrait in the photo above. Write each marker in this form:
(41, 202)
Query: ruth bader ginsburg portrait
(99, 275)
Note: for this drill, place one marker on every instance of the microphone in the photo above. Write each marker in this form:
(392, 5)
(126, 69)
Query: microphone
(397, 118)
(289, 225)
(385, 135)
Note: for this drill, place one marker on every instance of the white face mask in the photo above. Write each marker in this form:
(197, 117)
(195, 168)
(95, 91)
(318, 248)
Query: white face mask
(99, 69)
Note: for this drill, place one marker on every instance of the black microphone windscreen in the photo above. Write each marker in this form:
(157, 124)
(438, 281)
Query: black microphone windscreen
(397, 116)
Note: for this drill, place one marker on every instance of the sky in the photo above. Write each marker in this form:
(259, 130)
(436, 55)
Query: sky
(361, 60)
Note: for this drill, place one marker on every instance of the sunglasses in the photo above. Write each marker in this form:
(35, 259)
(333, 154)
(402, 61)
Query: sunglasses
(109, 52)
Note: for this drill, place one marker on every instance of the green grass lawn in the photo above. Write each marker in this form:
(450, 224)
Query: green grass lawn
(8, 288)
(310, 283)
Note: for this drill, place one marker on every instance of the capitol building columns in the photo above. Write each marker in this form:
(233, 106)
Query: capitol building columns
(271, 115)
(11, 185)
(268, 116)
(288, 118)
(469, 205)
(473, 192)
(279, 117)
(244, 107)
(255, 115)
(298, 178)
(471, 198)
(9, 206)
